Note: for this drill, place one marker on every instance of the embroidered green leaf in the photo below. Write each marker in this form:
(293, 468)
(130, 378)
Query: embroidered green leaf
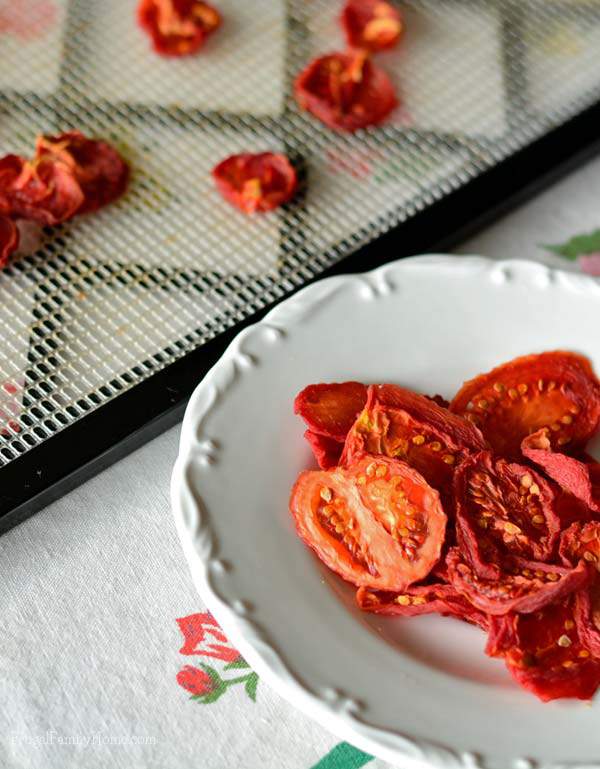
(251, 684)
(343, 756)
(238, 664)
(580, 244)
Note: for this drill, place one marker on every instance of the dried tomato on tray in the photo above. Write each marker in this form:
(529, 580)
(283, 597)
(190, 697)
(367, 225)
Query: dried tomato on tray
(256, 182)
(178, 27)
(346, 91)
(373, 25)
(9, 239)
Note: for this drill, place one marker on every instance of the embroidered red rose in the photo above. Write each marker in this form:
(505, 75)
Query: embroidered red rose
(203, 637)
(196, 681)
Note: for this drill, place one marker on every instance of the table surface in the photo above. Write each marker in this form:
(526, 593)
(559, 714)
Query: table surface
(104, 639)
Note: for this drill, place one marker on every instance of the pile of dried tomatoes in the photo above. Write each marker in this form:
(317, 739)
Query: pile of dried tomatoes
(486, 508)
(69, 174)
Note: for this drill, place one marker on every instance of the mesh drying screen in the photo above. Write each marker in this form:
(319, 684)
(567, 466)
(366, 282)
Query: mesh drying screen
(108, 299)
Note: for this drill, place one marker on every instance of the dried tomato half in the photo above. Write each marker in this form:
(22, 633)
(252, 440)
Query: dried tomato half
(330, 409)
(327, 451)
(582, 540)
(9, 239)
(100, 170)
(502, 508)
(544, 653)
(177, 27)
(43, 190)
(558, 390)
(571, 475)
(421, 599)
(522, 586)
(256, 182)
(400, 423)
(373, 25)
(346, 91)
(377, 524)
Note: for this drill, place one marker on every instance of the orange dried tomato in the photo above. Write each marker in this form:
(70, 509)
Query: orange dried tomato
(256, 182)
(178, 27)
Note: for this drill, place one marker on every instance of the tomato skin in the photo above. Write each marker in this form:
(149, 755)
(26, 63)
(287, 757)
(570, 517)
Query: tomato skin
(327, 451)
(377, 524)
(502, 508)
(256, 182)
(544, 653)
(437, 598)
(399, 423)
(345, 91)
(372, 25)
(507, 403)
(523, 586)
(177, 27)
(9, 239)
(100, 170)
(40, 190)
(330, 409)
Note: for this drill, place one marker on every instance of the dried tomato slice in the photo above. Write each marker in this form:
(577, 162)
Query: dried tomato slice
(9, 239)
(330, 409)
(42, 190)
(100, 170)
(421, 599)
(177, 27)
(373, 25)
(522, 586)
(558, 390)
(571, 475)
(346, 91)
(544, 653)
(327, 451)
(399, 423)
(377, 524)
(256, 182)
(502, 508)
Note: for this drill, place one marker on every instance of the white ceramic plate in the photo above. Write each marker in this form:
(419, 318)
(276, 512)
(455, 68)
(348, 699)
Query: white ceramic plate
(412, 691)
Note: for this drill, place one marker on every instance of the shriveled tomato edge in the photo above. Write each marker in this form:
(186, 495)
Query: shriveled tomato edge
(305, 409)
(327, 451)
(571, 580)
(10, 243)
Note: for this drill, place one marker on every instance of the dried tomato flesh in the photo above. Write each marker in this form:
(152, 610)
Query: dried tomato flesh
(327, 451)
(9, 239)
(523, 586)
(582, 541)
(346, 91)
(100, 170)
(572, 475)
(177, 27)
(377, 524)
(502, 508)
(544, 653)
(438, 598)
(331, 409)
(399, 423)
(373, 25)
(256, 182)
(42, 190)
(557, 390)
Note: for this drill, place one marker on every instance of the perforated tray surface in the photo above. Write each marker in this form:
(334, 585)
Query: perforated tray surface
(108, 299)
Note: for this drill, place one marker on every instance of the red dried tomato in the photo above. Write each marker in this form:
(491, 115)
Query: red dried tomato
(177, 27)
(346, 91)
(399, 423)
(42, 190)
(502, 508)
(9, 239)
(421, 599)
(373, 25)
(327, 451)
(100, 170)
(377, 524)
(544, 653)
(558, 390)
(522, 586)
(330, 409)
(256, 182)
(571, 475)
